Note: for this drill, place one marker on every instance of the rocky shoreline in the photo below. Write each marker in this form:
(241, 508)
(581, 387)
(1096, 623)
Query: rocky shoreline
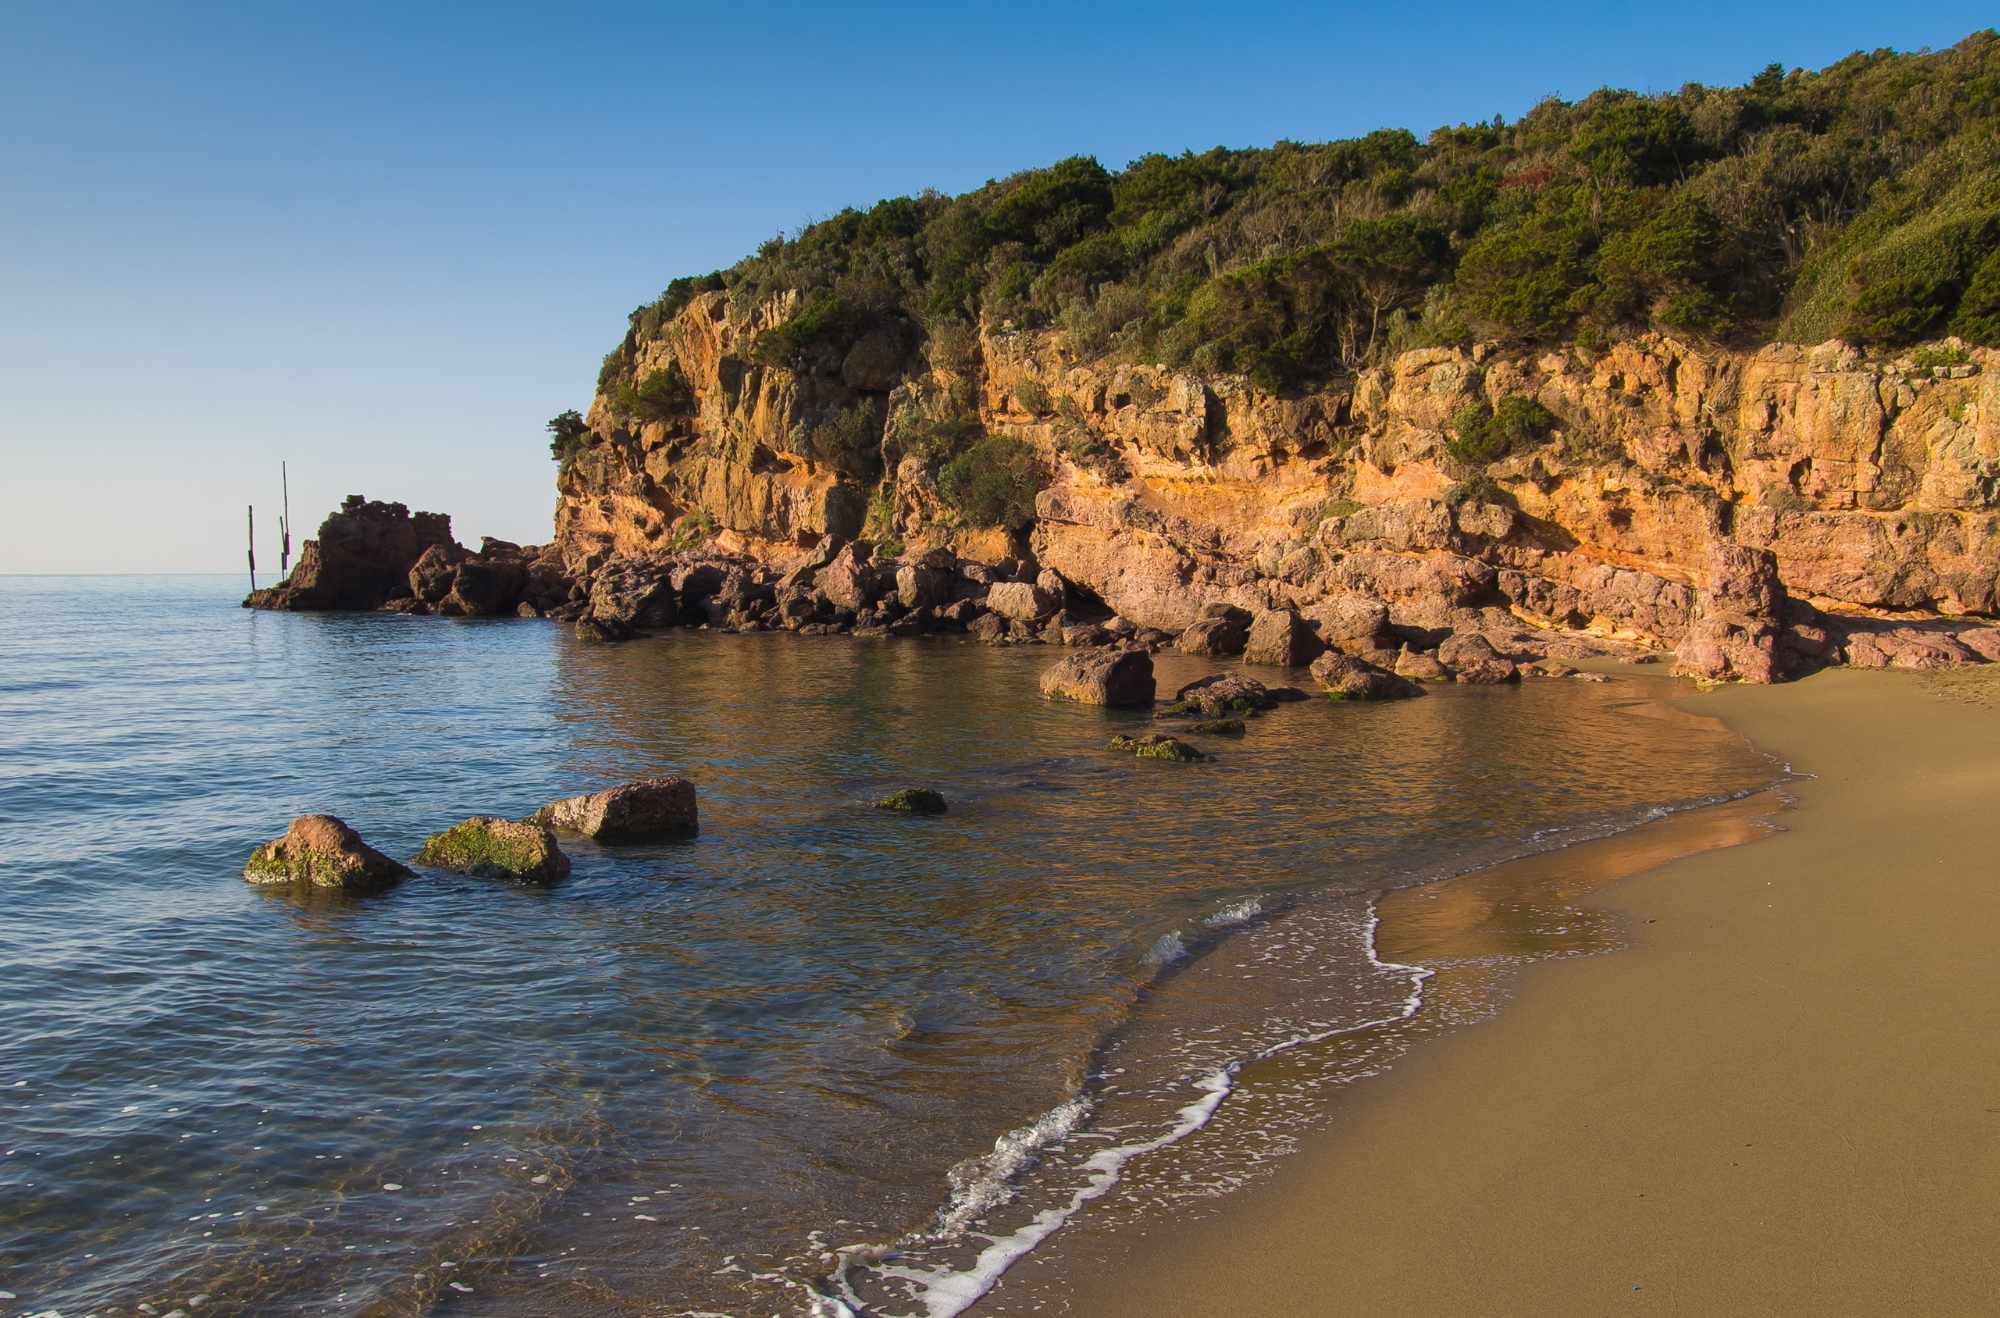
(1740, 625)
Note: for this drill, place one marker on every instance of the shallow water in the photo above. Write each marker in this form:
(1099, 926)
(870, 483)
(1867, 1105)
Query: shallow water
(713, 1076)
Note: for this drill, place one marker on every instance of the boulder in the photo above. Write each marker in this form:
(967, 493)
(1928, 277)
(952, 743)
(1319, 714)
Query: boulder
(485, 585)
(650, 810)
(493, 848)
(1548, 668)
(1734, 636)
(1021, 601)
(989, 628)
(1221, 694)
(431, 576)
(594, 629)
(1347, 678)
(1280, 637)
(1119, 679)
(1420, 667)
(914, 801)
(633, 594)
(321, 851)
(1213, 638)
(1345, 617)
(1157, 746)
(920, 587)
(1473, 660)
(849, 581)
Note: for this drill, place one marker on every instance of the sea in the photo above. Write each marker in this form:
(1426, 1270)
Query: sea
(820, 1060)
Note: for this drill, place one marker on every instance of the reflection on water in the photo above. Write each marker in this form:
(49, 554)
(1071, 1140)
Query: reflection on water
(683, 1075)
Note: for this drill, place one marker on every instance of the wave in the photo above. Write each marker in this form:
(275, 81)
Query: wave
(944, 1292)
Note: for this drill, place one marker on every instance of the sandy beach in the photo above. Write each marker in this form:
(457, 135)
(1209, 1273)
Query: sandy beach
(1782, 1098)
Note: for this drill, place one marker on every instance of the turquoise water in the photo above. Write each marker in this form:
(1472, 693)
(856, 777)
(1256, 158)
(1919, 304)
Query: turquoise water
(691, 1075)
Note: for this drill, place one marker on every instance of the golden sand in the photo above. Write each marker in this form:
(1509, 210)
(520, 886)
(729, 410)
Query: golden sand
(1782, 1098)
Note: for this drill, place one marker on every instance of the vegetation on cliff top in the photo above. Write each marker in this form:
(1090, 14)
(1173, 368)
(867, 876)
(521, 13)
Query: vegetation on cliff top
(1861, 200)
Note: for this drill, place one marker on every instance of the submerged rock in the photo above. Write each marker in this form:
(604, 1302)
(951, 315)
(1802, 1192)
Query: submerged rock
(493, 848)
(1157, 746)
(650, 810)
(1219, 727)
(1119, 679)
(914, 801)
(321, 851)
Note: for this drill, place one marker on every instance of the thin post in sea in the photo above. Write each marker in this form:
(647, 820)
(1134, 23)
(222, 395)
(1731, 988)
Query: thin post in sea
(253, 546)
(285, 524)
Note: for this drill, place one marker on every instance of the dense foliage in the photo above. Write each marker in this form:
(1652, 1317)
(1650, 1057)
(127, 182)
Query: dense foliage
(1861, 200)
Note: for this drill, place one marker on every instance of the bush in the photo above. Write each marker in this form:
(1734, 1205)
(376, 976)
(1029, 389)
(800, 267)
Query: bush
(823, 319)
(936, 439)
(568, 435)
(1978, 317)
(1033, 396)
(1478, 489)
(661, 396)
(1483, 435)
(993, 483)
(848, 435)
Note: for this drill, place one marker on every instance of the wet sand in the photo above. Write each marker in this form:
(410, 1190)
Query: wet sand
(1782, 1098)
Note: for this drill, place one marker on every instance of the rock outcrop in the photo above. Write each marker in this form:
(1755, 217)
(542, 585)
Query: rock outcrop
(492, 848)
(650, 810)
(1873, 482)
(320, 851)
(374, 555)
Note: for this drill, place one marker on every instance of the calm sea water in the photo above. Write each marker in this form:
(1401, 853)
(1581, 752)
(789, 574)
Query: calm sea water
(820, 1059)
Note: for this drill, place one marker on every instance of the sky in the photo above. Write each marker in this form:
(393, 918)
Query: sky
(385, 243)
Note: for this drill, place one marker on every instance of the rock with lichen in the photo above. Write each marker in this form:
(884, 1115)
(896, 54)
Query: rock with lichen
(320, 851)
(493, 848)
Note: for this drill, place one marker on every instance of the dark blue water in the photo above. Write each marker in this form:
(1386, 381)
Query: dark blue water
(682, 1078)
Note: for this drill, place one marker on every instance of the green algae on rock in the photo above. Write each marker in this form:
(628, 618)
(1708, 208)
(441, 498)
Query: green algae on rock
(320, 851)
(1158, 746)
(914, 801)
(494, 848)
(1219, 727)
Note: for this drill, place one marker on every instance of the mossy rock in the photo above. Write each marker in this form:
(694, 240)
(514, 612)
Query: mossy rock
(319, 851)
(1219, 727)
(1156, 746)
(491, 848)
(914, 801)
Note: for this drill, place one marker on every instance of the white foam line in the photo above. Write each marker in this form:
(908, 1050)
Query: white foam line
(948, 1294)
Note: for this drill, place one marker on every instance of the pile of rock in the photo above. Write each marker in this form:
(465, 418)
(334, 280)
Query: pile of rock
(322, 852)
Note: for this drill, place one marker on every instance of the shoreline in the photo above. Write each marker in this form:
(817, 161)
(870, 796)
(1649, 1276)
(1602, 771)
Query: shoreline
(1677, 1125)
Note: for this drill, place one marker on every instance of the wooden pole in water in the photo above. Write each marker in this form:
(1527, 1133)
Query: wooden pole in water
(253, 548)
(285, 524)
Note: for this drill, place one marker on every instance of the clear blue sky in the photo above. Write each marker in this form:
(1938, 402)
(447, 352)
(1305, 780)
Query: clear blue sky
(388, 242)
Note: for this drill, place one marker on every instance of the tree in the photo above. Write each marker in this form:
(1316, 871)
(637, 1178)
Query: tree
(567, 435)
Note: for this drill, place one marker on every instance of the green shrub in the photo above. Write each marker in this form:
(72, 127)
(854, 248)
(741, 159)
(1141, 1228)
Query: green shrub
(936, 438)
(1977, 319)
(1478, 489)
(661, 396)
(823, 319)
(992, 483)
(1482, 435)
(846, 435)
(1033, 396)
(568, 435)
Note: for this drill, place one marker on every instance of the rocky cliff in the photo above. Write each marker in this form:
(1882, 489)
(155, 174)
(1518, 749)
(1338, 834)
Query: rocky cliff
(1837, 507)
